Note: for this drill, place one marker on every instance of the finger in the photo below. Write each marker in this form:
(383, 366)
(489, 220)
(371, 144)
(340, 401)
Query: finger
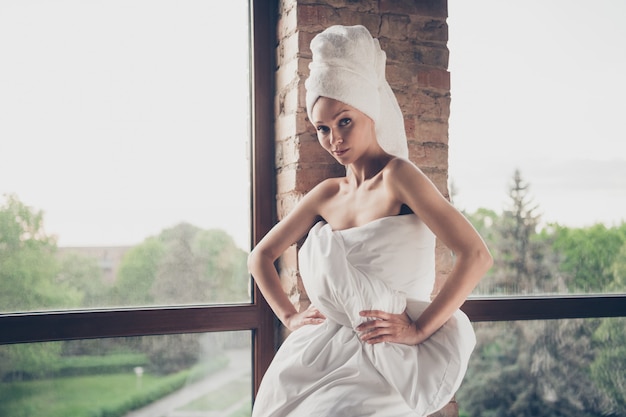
(314, 317)
(377, 336)
(386, 327)
(378, 322)
(314, 312)
(379, 339)
(373, 324)
(319, 314)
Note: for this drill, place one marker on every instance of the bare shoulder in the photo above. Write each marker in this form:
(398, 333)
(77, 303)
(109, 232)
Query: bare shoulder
(325, 190)
(296, 224)
(312, 204)
(398, 163)
(400, 170)
(411, 186)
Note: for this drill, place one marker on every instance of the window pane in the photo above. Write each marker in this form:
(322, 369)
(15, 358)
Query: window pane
(537, 160)
(189, 374)
(571, 368)
(124, 134)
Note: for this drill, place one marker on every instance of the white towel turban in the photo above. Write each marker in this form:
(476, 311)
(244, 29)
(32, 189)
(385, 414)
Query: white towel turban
(349, 66)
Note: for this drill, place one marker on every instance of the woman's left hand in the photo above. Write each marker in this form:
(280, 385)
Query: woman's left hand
(387, 327)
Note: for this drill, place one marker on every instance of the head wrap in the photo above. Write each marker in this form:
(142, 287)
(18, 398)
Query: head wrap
(349, 66)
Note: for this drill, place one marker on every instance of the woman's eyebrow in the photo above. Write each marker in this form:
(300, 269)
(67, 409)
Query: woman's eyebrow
(335, 116)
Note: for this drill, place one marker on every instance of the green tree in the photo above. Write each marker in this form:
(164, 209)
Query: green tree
(226, 266)
(544, 368)
(519, 268)
(180, 277)
(532, 369)
(183, 265)
(28, 264)
(85, 276)
(609, 366)
(619, 271)
(137, 273)
(588, 255)
(523, 260)
(29, 276)
(28, 361)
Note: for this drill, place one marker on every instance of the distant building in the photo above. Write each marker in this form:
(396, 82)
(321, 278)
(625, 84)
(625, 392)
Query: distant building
(108, 258)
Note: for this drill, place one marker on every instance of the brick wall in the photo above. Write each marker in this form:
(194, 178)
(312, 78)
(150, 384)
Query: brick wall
(414, 35)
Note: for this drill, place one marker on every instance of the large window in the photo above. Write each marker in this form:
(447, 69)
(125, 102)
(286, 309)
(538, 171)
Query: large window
(50, 325)
(136, 146)
(537, 166)
(536, 159)
(197, 373)
(572, 368)
(127, 126)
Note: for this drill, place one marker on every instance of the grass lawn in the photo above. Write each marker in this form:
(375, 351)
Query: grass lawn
(101, 395)
(74, 396)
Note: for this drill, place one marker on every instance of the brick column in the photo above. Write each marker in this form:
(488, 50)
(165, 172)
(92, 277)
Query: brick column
(414, 35)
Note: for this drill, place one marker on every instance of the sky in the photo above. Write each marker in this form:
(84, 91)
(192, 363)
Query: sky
(117, 130)
(539, 86)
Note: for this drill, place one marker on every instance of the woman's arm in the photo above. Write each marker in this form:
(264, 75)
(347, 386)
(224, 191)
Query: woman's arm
(261, 259)
(412, 187)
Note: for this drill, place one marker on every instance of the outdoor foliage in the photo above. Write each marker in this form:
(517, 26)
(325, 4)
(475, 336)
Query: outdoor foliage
(554, 368)
(182, 265)
(28, 265)
(608, 368)
(592, 257)
(110, 393)
(557, 368)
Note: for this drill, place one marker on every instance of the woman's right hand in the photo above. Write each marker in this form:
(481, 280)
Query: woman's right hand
(309, 316)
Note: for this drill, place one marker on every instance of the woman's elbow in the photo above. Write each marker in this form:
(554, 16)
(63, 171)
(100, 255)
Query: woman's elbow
(252, 260)
(256, 258)
(483, 259)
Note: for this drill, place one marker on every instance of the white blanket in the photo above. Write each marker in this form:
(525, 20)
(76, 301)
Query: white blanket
(325, 370)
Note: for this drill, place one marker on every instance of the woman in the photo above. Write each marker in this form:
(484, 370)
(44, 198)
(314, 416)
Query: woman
(371, 343)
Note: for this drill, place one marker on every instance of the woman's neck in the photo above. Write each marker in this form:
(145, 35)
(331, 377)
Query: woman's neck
(366, 169)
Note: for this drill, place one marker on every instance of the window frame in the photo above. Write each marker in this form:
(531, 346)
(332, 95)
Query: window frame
(544, 307)
(257, 317)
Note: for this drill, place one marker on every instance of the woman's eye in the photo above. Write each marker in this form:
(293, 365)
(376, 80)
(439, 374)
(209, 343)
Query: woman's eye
(322, 129)
(345, 122)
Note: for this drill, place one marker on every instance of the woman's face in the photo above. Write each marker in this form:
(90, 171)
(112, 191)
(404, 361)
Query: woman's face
(342, 130)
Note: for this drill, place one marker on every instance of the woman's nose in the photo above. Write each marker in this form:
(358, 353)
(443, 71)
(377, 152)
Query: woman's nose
(335, 138)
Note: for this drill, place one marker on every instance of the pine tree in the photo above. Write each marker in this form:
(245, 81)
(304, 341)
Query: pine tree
(522, 267)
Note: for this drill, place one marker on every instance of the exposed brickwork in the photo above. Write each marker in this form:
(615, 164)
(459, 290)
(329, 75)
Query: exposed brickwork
(414, 35)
